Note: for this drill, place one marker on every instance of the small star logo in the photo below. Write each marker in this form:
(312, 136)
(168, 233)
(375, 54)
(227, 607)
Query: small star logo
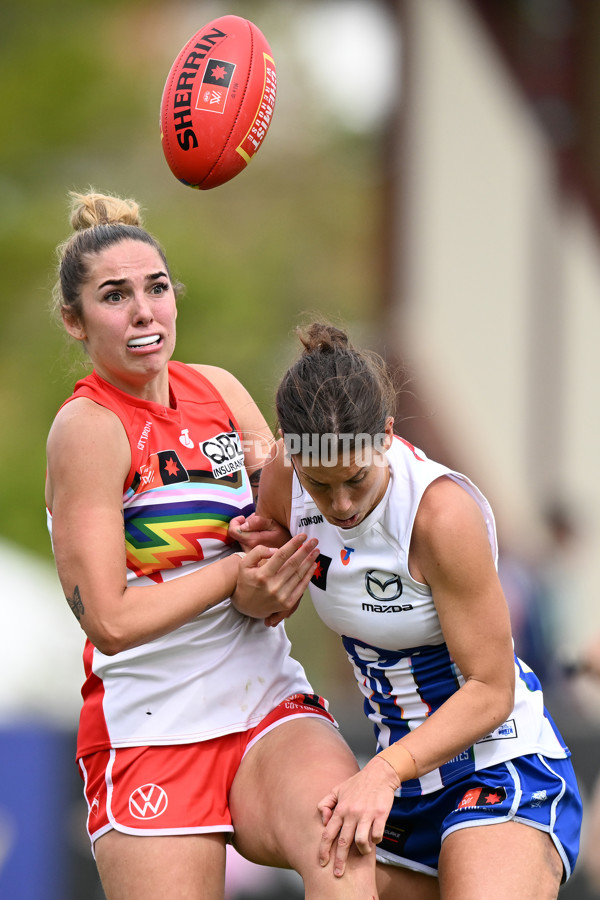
(171, 467)
(218, 72)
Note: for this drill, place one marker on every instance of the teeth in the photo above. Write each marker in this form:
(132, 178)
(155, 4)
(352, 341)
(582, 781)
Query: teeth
(143, 341)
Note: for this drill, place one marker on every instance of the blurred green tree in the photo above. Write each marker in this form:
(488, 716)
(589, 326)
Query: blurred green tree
(298, 231)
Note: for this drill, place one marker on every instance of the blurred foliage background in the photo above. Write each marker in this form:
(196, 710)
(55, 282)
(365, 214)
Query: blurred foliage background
(296, 235)
(296, 232)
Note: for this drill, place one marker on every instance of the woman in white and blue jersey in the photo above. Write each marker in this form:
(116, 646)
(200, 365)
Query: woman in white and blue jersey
(407, 577)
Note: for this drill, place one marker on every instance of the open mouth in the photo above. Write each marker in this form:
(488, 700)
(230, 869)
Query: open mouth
(147, 341)
(348, 523)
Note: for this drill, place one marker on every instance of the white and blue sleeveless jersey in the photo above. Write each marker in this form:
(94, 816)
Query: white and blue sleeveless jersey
(363, 590)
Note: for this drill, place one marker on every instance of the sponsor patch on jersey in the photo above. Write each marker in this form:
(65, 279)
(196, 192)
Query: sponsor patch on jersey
(384, 587)
(388, 608)
(162, 468)
(503, 732)
(305, 521)
(319, 578)
(224, 452)
(345, 554)
(481, 797)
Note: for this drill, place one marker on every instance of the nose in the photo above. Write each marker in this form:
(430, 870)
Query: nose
(142, 309)
(341, 503)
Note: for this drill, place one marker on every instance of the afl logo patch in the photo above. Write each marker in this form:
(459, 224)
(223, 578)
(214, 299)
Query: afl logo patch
(383, 586)
(148, 801)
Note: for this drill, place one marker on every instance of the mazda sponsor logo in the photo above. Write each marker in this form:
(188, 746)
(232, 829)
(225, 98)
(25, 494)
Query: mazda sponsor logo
(384, 587)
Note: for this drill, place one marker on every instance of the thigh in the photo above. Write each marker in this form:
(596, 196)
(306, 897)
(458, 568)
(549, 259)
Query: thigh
(508, 859)
(281, 779)
(186, 867)
(274, 799)
(394, 882)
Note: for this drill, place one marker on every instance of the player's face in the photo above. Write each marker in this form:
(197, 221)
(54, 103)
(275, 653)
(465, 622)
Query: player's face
(347, 492)
(128, 318)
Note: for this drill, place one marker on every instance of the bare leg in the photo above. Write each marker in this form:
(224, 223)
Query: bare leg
(397, 883)
(274, 800)
(182, 867)
(499, 861)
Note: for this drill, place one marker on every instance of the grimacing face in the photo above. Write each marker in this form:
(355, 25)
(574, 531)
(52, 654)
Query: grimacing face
(128, 313)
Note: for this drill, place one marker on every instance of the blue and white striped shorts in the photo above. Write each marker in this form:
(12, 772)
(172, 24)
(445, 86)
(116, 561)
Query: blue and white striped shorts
(533, 790)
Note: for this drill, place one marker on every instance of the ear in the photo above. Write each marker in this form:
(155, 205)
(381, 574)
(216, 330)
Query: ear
(73, 324)
(389, 433)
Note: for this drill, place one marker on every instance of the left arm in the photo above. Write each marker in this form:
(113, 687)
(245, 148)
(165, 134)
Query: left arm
(450, 552)
(258, 443)
(257, 438)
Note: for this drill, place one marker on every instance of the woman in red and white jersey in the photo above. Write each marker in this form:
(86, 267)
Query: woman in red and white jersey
(196, 722)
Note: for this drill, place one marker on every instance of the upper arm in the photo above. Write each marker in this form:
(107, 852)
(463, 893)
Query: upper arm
(450, 551)
(256, 435)
(275, 498)
(88, 461)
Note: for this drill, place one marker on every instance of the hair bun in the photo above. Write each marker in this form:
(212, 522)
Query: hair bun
(322, 338)
(89, 210)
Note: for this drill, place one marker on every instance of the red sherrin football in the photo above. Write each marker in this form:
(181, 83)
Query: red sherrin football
(217, 102)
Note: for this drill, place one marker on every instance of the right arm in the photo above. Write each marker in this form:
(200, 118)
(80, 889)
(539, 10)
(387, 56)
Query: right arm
(273, 512)
(88, 461)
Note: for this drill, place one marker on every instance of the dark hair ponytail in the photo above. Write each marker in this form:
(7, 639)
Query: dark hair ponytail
(334, 388)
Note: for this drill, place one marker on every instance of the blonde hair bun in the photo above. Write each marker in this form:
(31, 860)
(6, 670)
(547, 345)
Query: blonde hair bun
(89, 210)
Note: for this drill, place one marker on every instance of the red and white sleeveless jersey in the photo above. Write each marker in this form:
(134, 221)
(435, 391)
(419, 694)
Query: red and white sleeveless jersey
(221, 672)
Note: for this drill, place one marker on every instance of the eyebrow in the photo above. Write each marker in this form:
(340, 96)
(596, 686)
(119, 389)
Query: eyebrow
(116, 282)
(326, 484)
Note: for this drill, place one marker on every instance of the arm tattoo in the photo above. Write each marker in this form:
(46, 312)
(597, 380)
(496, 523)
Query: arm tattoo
(254, 479)
(76, 603)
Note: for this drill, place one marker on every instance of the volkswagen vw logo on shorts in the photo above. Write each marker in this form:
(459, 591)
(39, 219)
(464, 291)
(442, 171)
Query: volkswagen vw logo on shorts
(148, 801)
(383, 586)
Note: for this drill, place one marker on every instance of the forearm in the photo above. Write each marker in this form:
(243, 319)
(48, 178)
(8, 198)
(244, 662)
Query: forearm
(475, 710)
(118, 620)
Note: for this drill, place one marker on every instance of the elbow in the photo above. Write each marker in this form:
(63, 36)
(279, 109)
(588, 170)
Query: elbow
(505, 703)
(108, 647)
(108, 641)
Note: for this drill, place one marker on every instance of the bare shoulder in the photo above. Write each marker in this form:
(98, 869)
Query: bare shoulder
(239, 400)
(449, 533)
(81, 421)
(447, 506)
(87, 442)
(222, 379)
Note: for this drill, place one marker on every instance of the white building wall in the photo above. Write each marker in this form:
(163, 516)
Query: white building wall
(500, 313)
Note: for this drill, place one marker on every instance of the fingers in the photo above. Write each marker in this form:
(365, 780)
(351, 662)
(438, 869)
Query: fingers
(340, 834)
(252, 523)
(295, 559)
(249, 532)
(352, 813)
(273, 620)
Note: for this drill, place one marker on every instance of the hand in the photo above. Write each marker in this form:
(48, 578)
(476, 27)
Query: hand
(257, 530)
(357, 810)
(273, 581)
(275, 618)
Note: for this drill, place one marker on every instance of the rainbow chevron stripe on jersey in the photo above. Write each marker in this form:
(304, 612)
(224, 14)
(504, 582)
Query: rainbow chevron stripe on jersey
(178, 499)
(221, 672)
(390, 628)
